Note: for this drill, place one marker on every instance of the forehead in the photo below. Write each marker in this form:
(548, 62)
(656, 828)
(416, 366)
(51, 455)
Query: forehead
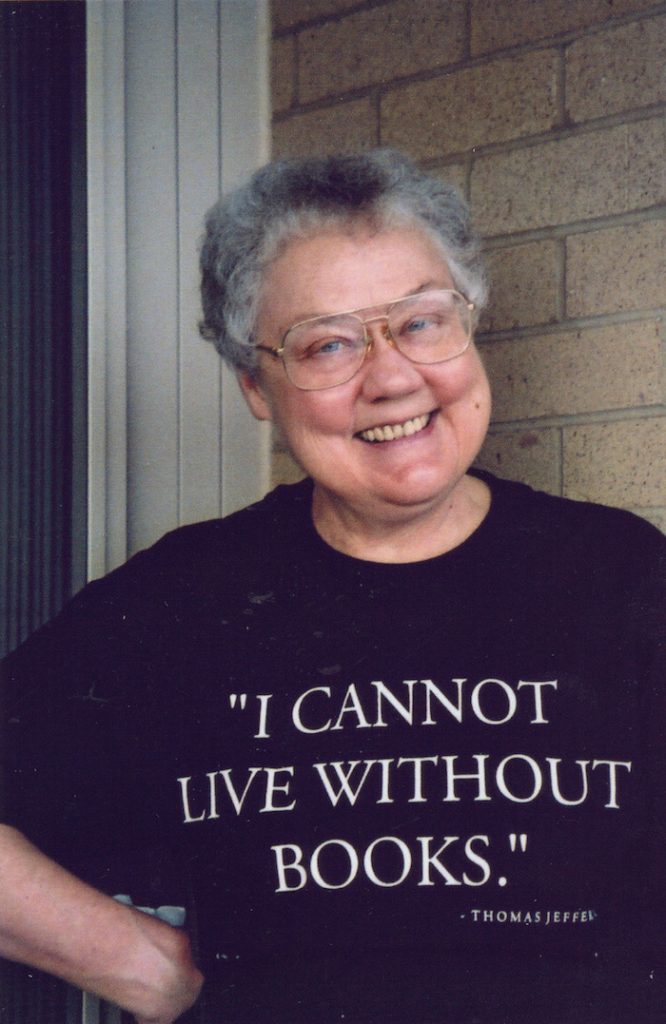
(340, 269)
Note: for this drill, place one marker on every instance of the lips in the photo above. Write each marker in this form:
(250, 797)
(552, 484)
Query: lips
(394, 431)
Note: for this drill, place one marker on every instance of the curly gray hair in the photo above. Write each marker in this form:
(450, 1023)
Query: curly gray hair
(289, 199)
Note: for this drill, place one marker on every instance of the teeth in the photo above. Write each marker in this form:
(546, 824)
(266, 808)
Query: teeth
(392, 431)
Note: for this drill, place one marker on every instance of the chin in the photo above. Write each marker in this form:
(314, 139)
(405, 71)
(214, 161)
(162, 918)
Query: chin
(420, 494)
(425, 483)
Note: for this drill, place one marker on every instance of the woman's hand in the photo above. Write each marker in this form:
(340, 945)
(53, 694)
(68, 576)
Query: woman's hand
(52, 921)
(171, 979)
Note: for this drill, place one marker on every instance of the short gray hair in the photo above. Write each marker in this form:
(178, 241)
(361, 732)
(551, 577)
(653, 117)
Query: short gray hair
(290, 199)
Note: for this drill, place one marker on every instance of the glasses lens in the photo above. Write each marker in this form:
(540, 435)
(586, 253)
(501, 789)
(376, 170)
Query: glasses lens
(432, 327)
(324, 352)
(427, 328)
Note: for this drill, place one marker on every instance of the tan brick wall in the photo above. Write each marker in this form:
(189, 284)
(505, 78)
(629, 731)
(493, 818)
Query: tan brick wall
(549, 116)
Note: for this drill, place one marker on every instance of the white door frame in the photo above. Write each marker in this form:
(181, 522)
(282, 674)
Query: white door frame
(178, 111)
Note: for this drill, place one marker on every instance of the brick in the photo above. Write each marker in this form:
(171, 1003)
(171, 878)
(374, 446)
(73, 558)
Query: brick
(617, 269)
(282, 73)
(646, 161)
(286, 13)
(523, 285)
(378, 45)
(620, 463)
(610, 367)
(503, 100)
(618, 70)
(594, 174)
(344, 128)
(497, 24)
(531, 456)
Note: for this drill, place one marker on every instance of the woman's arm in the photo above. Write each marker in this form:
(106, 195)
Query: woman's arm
(56, 923)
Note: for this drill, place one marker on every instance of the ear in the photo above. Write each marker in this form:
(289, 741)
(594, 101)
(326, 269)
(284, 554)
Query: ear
(255, 395)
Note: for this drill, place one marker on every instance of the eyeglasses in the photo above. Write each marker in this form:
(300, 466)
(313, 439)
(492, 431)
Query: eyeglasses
(325, 351)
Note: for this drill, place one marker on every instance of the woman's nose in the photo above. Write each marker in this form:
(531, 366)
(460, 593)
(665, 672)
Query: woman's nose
(386, 372)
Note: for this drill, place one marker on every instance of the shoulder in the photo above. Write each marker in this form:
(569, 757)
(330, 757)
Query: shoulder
(537, 511)
(583, 535)
(257, 532)
(212, 559)
(166, 584)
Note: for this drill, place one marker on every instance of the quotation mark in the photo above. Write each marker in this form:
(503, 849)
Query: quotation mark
(514, 840)
(239, 700)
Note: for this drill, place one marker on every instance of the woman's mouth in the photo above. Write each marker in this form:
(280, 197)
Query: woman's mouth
(393, 431)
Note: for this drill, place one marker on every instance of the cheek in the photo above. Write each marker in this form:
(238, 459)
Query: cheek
(319, 413)
(463, 382)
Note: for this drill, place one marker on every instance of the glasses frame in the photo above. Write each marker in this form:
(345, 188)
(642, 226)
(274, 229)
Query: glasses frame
(277, 351)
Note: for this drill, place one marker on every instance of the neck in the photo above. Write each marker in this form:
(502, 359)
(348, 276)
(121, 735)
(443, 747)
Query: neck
(402, 535)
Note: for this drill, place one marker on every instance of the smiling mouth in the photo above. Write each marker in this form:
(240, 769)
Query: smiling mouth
(394, 431)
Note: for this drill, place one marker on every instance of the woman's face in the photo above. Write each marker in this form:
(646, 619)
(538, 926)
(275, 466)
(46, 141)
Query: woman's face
(334, 271)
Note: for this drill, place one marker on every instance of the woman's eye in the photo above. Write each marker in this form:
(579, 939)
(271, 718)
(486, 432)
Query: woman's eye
(333, 345)
(329, 347)
(419, 324)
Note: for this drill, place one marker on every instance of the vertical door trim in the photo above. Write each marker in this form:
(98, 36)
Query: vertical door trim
(107, 288)
(122, 498)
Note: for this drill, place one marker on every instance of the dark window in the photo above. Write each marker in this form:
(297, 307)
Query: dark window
(42, 312)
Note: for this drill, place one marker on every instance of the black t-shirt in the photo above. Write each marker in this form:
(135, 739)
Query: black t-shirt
(405, 794)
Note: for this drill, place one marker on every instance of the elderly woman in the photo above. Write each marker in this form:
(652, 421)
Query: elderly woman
(392, 736)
